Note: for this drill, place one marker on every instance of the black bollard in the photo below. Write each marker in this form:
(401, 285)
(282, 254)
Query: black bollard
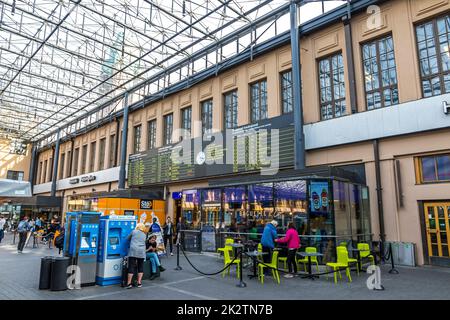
(178, 257)
(241, 283)
(393, 270)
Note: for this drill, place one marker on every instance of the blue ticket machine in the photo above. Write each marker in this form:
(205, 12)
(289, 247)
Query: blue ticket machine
(113, 246)
(81, 243)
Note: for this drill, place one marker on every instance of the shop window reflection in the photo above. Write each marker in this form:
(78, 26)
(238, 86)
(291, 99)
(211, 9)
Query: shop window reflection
(291, 205)
(261, 204)
(190, 209)
(235, 209)
(211, 207)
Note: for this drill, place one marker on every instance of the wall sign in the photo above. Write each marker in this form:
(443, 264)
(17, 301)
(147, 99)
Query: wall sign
(146, 204)
(74, 181)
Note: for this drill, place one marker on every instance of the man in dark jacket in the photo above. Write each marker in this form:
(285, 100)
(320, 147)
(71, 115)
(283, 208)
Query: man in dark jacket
(169, 231)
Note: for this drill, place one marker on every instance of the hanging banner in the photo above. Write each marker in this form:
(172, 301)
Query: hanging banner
(319, 197)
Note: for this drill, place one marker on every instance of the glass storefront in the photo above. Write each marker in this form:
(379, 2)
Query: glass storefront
(190, 209)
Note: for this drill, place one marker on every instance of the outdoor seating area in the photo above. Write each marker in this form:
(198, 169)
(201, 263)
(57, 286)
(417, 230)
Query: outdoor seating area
(350, 257)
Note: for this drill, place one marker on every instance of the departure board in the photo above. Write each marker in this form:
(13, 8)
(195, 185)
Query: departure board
(245, 149)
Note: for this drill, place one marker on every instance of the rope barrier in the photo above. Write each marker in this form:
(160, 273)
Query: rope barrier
(204, 273)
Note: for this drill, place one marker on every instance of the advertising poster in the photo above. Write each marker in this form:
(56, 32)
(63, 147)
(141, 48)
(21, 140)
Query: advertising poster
(319, 197)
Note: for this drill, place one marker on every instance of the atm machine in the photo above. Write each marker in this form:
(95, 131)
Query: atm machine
(81, 242)
(113, 246)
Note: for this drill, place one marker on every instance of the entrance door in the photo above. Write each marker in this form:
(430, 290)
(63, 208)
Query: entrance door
(437, 221)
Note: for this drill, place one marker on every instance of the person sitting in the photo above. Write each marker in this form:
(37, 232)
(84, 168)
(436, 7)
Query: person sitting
(152, 255)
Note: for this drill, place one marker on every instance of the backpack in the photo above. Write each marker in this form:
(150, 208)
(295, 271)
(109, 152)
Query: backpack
(23, 227)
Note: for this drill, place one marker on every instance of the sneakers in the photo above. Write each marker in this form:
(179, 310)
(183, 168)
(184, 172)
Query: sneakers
(171, 253)
(129, 286)
(153, 277)
(288, 276)
(139, 285)
(162, 269)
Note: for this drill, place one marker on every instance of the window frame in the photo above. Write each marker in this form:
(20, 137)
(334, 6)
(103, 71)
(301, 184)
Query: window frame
(250, 85)
(14, 174)
(182, 116)
(419, 168)
(62, 165)
(112, 150)
(333, 101)
(101, 154)
(93, 149)
(380, 78)
(84, 151)
(440, 73)
(76, 159)
(209, 102)
(234, 114)
(137, 138)
(151, 136)
(282, 91)
(167, 139)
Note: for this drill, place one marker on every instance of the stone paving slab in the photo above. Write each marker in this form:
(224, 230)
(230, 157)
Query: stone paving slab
(19, 278)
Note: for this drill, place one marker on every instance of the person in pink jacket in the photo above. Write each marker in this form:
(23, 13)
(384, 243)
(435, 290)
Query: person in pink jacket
(293, 244)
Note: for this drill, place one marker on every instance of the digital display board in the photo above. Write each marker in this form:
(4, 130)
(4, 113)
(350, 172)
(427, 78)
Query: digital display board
(244, 149)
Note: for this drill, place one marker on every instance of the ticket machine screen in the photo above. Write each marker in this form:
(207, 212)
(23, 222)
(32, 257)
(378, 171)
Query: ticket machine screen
(113, 241)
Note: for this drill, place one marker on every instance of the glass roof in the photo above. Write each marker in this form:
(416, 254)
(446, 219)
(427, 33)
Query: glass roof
(65, 64)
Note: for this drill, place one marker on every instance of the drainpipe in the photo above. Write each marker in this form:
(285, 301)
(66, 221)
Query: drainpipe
(55, 165)
(379, 189)
(32, 172)
(123, 151)
(299, 144)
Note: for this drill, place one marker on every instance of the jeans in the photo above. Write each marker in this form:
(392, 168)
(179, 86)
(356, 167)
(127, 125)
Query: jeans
(2, 234)
(168, 237)
(154, 260)
(291, 260)
(22, 239)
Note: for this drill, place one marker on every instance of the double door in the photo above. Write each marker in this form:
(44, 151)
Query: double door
(437, 222)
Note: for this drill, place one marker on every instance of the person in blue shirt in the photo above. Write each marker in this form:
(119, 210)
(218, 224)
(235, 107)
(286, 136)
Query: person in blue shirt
(155, 227)
(268, 240)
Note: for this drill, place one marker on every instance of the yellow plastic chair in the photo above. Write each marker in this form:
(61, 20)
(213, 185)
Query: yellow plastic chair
(342, 262)
(365, 252)
(228, 241)
(259, 247)
(284, 261)
(227, 260)
(305, 259)
(273, 265)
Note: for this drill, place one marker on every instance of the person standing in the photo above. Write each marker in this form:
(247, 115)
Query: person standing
(22, 229)
(293, 243)
(168, 230)
(136, 255)
(155, 227)
(268, 240)
(2, 226)
(38, 224)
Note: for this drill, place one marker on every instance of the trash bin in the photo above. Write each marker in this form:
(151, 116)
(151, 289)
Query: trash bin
(59, 273)
(45, 275)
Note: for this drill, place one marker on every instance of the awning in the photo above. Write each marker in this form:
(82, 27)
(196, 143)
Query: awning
(14, 188)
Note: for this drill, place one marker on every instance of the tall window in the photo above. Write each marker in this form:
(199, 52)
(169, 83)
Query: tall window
(434, 168)
(258, 101)
(206, 113)
(76, 156)
(39, 173)
(287, 93)
(69, 163)
(186, 121)
(433, 41)
(83, 159)
(168, 129)
(44, 173)
(101, 154)
(61, 166)
(50, 169)
(332, 87)
(92, 157)
(380, 73)
(112, 151)
(137, 139)
(15, 175)
(151, 134)
(230, 105)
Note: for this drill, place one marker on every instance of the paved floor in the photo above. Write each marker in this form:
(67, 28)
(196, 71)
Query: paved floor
(19, 276)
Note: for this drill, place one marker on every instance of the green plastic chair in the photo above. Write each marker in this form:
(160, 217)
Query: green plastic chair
(228, 241)
(305, 259)
(227, 260)
(342, 262)
(365, 252)
(273, 265)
